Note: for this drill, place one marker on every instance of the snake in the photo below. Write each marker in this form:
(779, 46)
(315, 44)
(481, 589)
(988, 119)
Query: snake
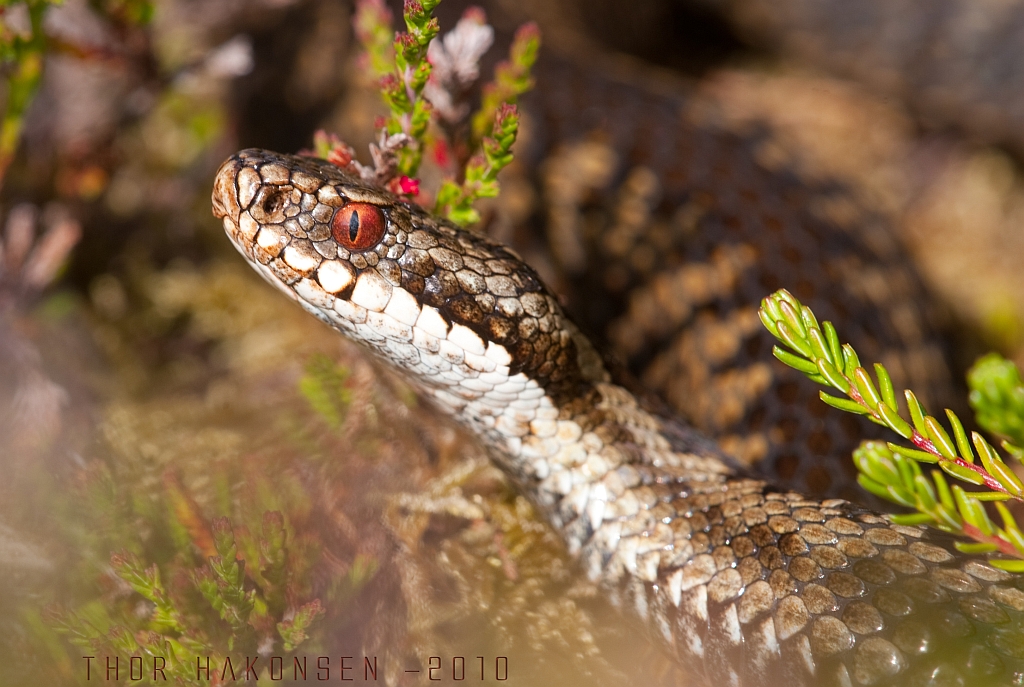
(743, 582)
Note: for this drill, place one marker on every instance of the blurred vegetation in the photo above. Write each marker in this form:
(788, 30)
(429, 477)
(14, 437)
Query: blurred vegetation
(22, 47)
(997, 396)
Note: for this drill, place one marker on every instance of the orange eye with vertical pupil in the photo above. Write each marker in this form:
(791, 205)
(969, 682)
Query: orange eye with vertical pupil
(358, 226)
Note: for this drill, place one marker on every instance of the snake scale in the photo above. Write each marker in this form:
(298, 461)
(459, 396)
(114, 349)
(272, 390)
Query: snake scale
(664, 233)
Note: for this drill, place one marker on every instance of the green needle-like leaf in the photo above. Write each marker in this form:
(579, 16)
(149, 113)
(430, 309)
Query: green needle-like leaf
(850, 359)
(925, 493)
(885, 386)
(972, 511)
(960, 436)
(922, 456)
(833, 342)
(881, 491)
(791, 316)
(961, 472)
(766, 319)
(990, 496)
(796, 343)
(1008, 522)
(794, 361)
(820, 346)
(1005, 476)
(996, 467)
(1009, 565)
(895, 422)
(809, 320)
(942, 486)
(972, 548)
(866, 387)
(773, 307)
(939, 437)
(843, 404)
(912, 519)
(835, 380)
(917, 413)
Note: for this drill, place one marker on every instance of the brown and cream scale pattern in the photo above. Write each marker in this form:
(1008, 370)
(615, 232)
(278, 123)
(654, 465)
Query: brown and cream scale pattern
(744, 583)
(667, 230)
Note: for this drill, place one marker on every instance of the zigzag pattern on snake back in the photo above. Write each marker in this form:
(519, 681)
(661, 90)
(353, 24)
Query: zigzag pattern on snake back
(666, 234)
(745, 583)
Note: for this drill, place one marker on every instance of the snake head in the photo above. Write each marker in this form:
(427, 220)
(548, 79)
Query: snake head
(422, 293)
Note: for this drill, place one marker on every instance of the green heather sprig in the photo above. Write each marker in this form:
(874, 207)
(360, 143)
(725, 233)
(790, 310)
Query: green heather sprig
(512, 78)
(425, 82)
(891, 470)
(252, 604)
(372, 23)
(897, 478)
(454, 200)
(146, 581)
(404, 70)
(295, 631)
(223, 586)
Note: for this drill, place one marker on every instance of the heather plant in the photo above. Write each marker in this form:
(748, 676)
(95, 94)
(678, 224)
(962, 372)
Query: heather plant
(426, 81)
(220, 591)
(185, 584)
(893, 471)
(173, 626)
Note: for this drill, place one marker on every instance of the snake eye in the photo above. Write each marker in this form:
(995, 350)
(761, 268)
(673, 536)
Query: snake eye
(358, 226)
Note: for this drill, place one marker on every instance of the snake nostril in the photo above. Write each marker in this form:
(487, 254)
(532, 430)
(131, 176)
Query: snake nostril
(269, 204)
(272, 202)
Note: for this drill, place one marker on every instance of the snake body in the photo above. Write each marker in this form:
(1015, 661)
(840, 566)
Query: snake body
(666, 231)
(746, 584)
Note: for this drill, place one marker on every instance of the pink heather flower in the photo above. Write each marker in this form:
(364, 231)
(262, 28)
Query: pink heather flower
(505, 111)
(388, 82)
(409, 187)
(526, 33)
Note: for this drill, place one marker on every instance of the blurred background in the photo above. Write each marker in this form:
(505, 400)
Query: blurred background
(152, 386)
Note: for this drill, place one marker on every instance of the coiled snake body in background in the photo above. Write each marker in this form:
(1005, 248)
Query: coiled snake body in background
(746, 583)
